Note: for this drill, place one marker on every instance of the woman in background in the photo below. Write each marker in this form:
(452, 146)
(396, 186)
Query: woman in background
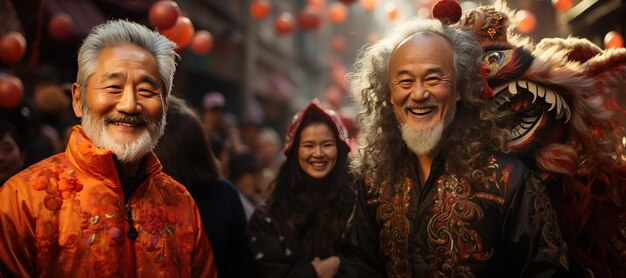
(186, 155)
(297, 234)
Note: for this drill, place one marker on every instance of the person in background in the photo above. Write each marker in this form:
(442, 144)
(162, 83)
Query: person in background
(437, 194)
(298, 232)
(11, 152)
(186, 155)
(104, 207)
(268, 147)
(245, 172)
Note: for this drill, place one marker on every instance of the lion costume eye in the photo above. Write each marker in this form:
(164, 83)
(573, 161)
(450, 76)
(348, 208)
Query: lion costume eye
(496, 60)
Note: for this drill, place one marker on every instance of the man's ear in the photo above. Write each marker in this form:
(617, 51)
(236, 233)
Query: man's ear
(77, 102)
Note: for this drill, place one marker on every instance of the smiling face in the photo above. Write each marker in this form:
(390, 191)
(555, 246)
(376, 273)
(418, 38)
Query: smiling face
(123, 107)
(317, 151)
(421, 81)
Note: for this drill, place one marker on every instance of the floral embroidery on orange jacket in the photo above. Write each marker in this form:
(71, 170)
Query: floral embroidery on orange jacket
(66, 216)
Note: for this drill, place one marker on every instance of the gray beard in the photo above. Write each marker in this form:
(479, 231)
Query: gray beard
(127, 151)
(422, 142)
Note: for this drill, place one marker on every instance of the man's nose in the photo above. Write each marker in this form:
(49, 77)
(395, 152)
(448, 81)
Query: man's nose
(419, 92)
(129, 103)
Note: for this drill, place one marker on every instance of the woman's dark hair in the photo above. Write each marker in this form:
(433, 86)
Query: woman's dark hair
(315, 211)
(184, 149)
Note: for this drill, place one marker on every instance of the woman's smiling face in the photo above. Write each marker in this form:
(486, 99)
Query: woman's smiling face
(317, 151)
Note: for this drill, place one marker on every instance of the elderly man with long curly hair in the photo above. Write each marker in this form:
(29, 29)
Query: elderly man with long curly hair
(439, 195)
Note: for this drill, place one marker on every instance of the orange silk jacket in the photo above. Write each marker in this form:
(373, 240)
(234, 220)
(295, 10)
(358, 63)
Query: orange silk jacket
(66, 216)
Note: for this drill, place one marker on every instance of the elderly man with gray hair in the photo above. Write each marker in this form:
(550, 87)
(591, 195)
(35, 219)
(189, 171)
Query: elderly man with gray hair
(103, 207)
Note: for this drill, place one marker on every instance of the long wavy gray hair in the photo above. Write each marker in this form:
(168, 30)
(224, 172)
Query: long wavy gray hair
(120, 32)
(380, 147)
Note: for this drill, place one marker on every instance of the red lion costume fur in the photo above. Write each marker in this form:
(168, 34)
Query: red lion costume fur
(558, 96)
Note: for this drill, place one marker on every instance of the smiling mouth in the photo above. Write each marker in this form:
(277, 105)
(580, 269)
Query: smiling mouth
(529, 114)
(318, 164)
(420, 111)
(125, 124)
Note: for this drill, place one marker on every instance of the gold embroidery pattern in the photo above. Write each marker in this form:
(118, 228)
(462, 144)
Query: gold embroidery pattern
(395, 228)
(449, 235)
(544, 219)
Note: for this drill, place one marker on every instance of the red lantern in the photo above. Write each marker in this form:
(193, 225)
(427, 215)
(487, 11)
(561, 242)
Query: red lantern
(562, 5)
(202, 42)
(163, 14)
(526, 21)
(12, 47)
(392, 11)
(60, 26)
(613, 40)
(284, 23)
(347, 2)
(181, 33)
(11, 90)
(260, 9)
(337, 12)
(369, 4)
(309, 18)
(316, 4)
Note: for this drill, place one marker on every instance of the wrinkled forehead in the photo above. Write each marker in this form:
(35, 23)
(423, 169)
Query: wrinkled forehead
(430, 45)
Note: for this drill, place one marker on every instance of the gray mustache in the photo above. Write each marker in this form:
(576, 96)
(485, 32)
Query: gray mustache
(130, 119)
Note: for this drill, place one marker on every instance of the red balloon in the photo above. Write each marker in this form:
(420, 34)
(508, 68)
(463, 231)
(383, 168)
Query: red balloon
(202, 42)
(12, 47)
(60, 26)
(613, 40)
(181, 33)
(260, 9)
(527, 21)
(163, 14)
(562, 5)
(337, 12)
(309, 18)
(11, 90)
(284, 23)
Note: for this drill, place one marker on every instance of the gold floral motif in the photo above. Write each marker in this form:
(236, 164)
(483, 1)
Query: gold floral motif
(395, 228)
(449, 236)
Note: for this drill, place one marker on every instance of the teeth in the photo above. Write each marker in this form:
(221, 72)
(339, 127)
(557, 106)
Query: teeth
(421, 110)
(549, 96)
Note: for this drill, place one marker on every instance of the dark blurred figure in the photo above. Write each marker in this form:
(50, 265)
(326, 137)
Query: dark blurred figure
(11, 152)
(186, 155)
(298, 233)
(39, 141)
(245, 172)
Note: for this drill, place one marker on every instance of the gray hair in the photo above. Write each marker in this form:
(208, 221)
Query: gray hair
(380, 143)
(120, 32)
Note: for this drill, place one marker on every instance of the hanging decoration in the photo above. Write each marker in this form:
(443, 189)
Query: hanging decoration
(163, 14)
(392, 11)
(284, 24)
(613, 40)
(12, 47)
(562, 5)
(369, 4)
(260, 9)
(320, 4)
(526, 21)
(11, 91)
(309, 18)
(60, 26)
(202, 42)
(181, 33)
(337, 12)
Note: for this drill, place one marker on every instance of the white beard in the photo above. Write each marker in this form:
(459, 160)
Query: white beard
(422, 142)
(127, 151)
